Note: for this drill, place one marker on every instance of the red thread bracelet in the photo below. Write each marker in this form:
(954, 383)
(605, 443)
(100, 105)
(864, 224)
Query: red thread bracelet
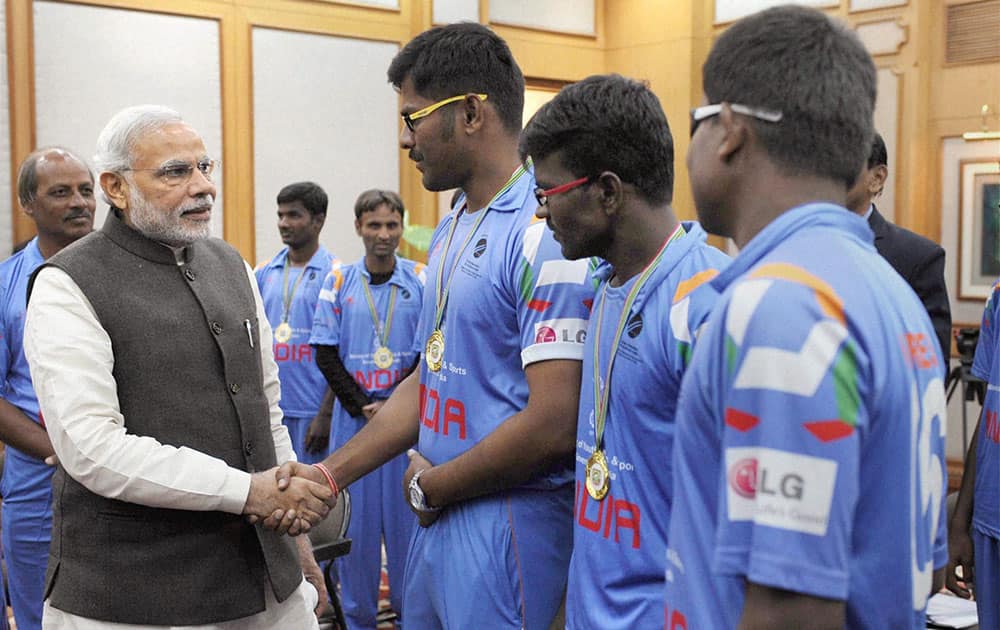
(329, 479)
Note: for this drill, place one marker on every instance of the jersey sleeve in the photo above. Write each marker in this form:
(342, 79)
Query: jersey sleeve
(553, 297)
(5, 352)
(791, 453)
(690, 306)
(327, 317)
(987, 344)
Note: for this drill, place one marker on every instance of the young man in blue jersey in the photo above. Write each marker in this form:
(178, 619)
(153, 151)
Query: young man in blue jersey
(809, 461)
(290, 284)
(56, 189)
(974, 530)
(604, 165)
(493, 404)
(363, 333)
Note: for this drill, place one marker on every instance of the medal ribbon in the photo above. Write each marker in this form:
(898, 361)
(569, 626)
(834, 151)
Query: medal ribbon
(602, 391)
(381, 332)
(286, 298)
(442, 289)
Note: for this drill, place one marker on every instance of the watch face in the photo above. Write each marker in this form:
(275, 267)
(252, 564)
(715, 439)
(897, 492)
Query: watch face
(416, 496)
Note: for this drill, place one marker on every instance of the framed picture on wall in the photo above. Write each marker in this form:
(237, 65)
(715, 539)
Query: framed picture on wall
(979, 228)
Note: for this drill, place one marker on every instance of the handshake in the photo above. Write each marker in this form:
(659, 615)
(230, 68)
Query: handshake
(290, 498)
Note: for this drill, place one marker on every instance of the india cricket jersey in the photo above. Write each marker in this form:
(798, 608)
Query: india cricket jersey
(809, 451)
(25, 478)
(986, 366)
(512, 300)
(302, 384)
(27, 482)
(343, 318)
(620, 541)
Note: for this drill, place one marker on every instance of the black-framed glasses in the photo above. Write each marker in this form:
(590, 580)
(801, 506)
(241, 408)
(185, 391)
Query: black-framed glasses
(177, 173)
(698, 114)
(542, 195)
(433, 107)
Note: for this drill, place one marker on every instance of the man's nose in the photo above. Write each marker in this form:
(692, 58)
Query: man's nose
(201, 184)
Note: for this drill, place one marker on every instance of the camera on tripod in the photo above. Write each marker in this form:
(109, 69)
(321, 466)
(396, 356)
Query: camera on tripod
(966, 340)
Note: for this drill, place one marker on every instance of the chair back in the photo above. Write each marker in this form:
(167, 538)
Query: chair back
(334, 527)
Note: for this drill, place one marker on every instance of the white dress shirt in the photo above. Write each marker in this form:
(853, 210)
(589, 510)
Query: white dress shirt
(71, 361)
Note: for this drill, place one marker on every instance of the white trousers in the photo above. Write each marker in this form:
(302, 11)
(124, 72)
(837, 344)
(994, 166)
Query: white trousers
(293, 613)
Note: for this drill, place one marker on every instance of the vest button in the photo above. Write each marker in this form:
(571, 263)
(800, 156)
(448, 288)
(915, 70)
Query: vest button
(217, 328)
(234, 387)
(248, 448)
(189, 274)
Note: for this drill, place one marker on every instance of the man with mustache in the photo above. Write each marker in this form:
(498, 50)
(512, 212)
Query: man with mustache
(289, 285)
(56, 189)
(492, 408)
(363, 333)
(148, 344)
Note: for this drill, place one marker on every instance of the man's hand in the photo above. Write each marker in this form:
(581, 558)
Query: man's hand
(417, 462)
(301, 503)
(372, 408)
(52, 460)
(285, 476)
(960, 554)
(318, 434)
(312, 573)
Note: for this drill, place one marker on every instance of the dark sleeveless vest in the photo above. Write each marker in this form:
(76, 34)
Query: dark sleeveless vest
(187, 375)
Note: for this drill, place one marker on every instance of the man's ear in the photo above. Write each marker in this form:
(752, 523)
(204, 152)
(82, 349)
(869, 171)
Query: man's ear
(612, 191)
(357, 226)
(736, 134)
(876, 179)
(116, 189)
(473, 113)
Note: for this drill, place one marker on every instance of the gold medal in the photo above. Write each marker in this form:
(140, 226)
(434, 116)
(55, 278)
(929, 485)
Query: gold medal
(383, 358)
(434, 352)
(598, 476)
(283, 332)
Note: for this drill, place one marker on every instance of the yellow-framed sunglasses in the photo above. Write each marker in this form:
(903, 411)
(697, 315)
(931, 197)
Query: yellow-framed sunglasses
(430, 109)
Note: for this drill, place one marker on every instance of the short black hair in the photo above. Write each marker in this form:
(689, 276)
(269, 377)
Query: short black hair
(463, 58)
(815, 71)
(370, 200)
(607, 122)
(313, 197)
(879, 156)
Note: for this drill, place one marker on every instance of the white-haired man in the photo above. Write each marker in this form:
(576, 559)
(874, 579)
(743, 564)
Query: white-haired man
(161, 401)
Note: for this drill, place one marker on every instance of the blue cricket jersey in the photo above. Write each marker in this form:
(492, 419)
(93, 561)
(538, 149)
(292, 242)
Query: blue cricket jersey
(27, 481)
(302, 384)
(343, 319)
(620, 542)
(986, 366)
(810, 440)
(514, 300)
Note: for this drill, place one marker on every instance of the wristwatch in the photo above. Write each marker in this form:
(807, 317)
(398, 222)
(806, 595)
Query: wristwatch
(417, 499)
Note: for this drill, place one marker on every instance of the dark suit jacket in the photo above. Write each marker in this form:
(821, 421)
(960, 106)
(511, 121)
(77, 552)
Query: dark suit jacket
(921, 263)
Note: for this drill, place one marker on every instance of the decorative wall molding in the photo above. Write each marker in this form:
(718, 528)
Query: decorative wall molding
(574, 17)
(868, 5)
(883, 37)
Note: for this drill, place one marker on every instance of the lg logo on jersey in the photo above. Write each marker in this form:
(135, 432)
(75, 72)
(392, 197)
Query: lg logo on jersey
(747, 481)
(780, 489)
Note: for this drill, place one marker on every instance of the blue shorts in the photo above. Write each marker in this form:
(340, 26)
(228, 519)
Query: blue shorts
(499, 561)
(987, 587)
(378, 510)
(26, 535)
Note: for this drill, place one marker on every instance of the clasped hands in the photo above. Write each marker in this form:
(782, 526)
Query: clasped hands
(289, 499)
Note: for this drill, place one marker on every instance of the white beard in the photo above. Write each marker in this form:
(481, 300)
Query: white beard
(168, 226)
